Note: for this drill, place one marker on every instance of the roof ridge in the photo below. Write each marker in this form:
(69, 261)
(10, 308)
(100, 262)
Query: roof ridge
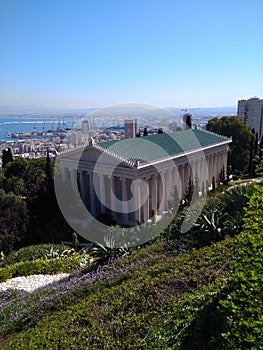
(105, 150)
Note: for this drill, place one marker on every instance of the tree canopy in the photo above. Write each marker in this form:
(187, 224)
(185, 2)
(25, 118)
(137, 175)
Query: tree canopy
(7, 156)
(28, 185)
(242, 140)
(13, 221)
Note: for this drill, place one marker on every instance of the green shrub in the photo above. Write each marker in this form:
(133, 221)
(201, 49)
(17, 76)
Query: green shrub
(34, 252)
(26, 268)
(242, 308)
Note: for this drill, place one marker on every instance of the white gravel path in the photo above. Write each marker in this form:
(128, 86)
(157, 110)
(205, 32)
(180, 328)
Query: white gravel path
(30, 283)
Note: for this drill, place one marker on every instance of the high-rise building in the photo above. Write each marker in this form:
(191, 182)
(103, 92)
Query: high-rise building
(130, 128)
(86, 125)
(251, 112)
(187, 118)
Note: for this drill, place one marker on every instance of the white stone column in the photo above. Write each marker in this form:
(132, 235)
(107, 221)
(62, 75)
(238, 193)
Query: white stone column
(107, 181)
(168, 188)
(198, 173)
(181, 179)
(222, 161)
(213, 169)
(160, 193)
(102, 198)
(154, 194)
(131, 214)
(206, 169)
(181, 171)
(186, 176)
(82, 186)
(92, 194)
(226, 158)
(173, 179)
(192, 170)
(178, 182)
(145, 206)
(113, 198)
(124, 198)
(210, 169)
(217, 170)
(215, 166)
(203, 172)
(137, 202)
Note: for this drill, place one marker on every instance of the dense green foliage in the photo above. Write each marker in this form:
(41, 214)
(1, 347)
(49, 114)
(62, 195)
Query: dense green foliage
(7, 157)
(31, 181)
(39, 266)
(258, 163)
(243, 305)
(243, 141)
(34, 252)
(221, 216)
(13, 221)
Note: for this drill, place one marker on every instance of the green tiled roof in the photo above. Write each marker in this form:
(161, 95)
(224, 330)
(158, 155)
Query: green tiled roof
(150, 148)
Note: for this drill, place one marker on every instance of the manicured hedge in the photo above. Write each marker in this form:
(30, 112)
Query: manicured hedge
(40, 266)
(33, 252)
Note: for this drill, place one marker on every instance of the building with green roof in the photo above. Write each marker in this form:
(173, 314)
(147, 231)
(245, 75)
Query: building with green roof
(135, 178)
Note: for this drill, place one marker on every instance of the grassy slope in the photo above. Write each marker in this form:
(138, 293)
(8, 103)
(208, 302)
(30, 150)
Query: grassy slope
(157, 303)
(153, 299)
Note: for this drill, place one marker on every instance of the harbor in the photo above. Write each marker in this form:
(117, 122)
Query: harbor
(26, 128)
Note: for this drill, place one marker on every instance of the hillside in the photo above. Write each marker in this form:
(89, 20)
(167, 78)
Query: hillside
(170, 294)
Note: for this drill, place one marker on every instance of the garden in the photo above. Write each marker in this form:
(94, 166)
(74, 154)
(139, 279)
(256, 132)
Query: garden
(197, 290)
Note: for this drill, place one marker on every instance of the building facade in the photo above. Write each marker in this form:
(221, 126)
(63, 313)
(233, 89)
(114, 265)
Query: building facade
(135, 178)
(251, 112)
(130, 128)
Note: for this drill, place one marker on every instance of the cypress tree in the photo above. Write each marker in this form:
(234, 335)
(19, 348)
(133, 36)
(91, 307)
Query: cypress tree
(7, 157)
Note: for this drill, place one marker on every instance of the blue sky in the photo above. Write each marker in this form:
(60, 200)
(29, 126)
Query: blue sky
(93, 53)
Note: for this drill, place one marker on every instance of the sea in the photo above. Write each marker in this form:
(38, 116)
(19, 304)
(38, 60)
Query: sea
(9, 125)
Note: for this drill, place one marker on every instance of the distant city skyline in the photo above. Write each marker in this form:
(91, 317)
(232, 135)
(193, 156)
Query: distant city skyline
(85, 54)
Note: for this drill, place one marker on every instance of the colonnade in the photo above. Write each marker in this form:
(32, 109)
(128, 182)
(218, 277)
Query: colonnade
(153, 192)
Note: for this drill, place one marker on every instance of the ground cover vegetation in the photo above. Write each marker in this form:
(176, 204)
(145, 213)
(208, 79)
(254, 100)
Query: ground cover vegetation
(176, 292)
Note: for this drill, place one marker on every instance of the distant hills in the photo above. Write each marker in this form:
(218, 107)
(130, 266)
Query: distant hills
(40, 110)
(131, 110)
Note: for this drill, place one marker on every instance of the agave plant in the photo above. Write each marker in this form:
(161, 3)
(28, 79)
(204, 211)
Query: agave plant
(104, 253)
(53, 253)
(211, 226)
(234, 223)
(236, 199)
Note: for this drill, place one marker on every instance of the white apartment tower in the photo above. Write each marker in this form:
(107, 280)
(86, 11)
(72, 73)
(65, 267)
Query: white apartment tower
(251, 112)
